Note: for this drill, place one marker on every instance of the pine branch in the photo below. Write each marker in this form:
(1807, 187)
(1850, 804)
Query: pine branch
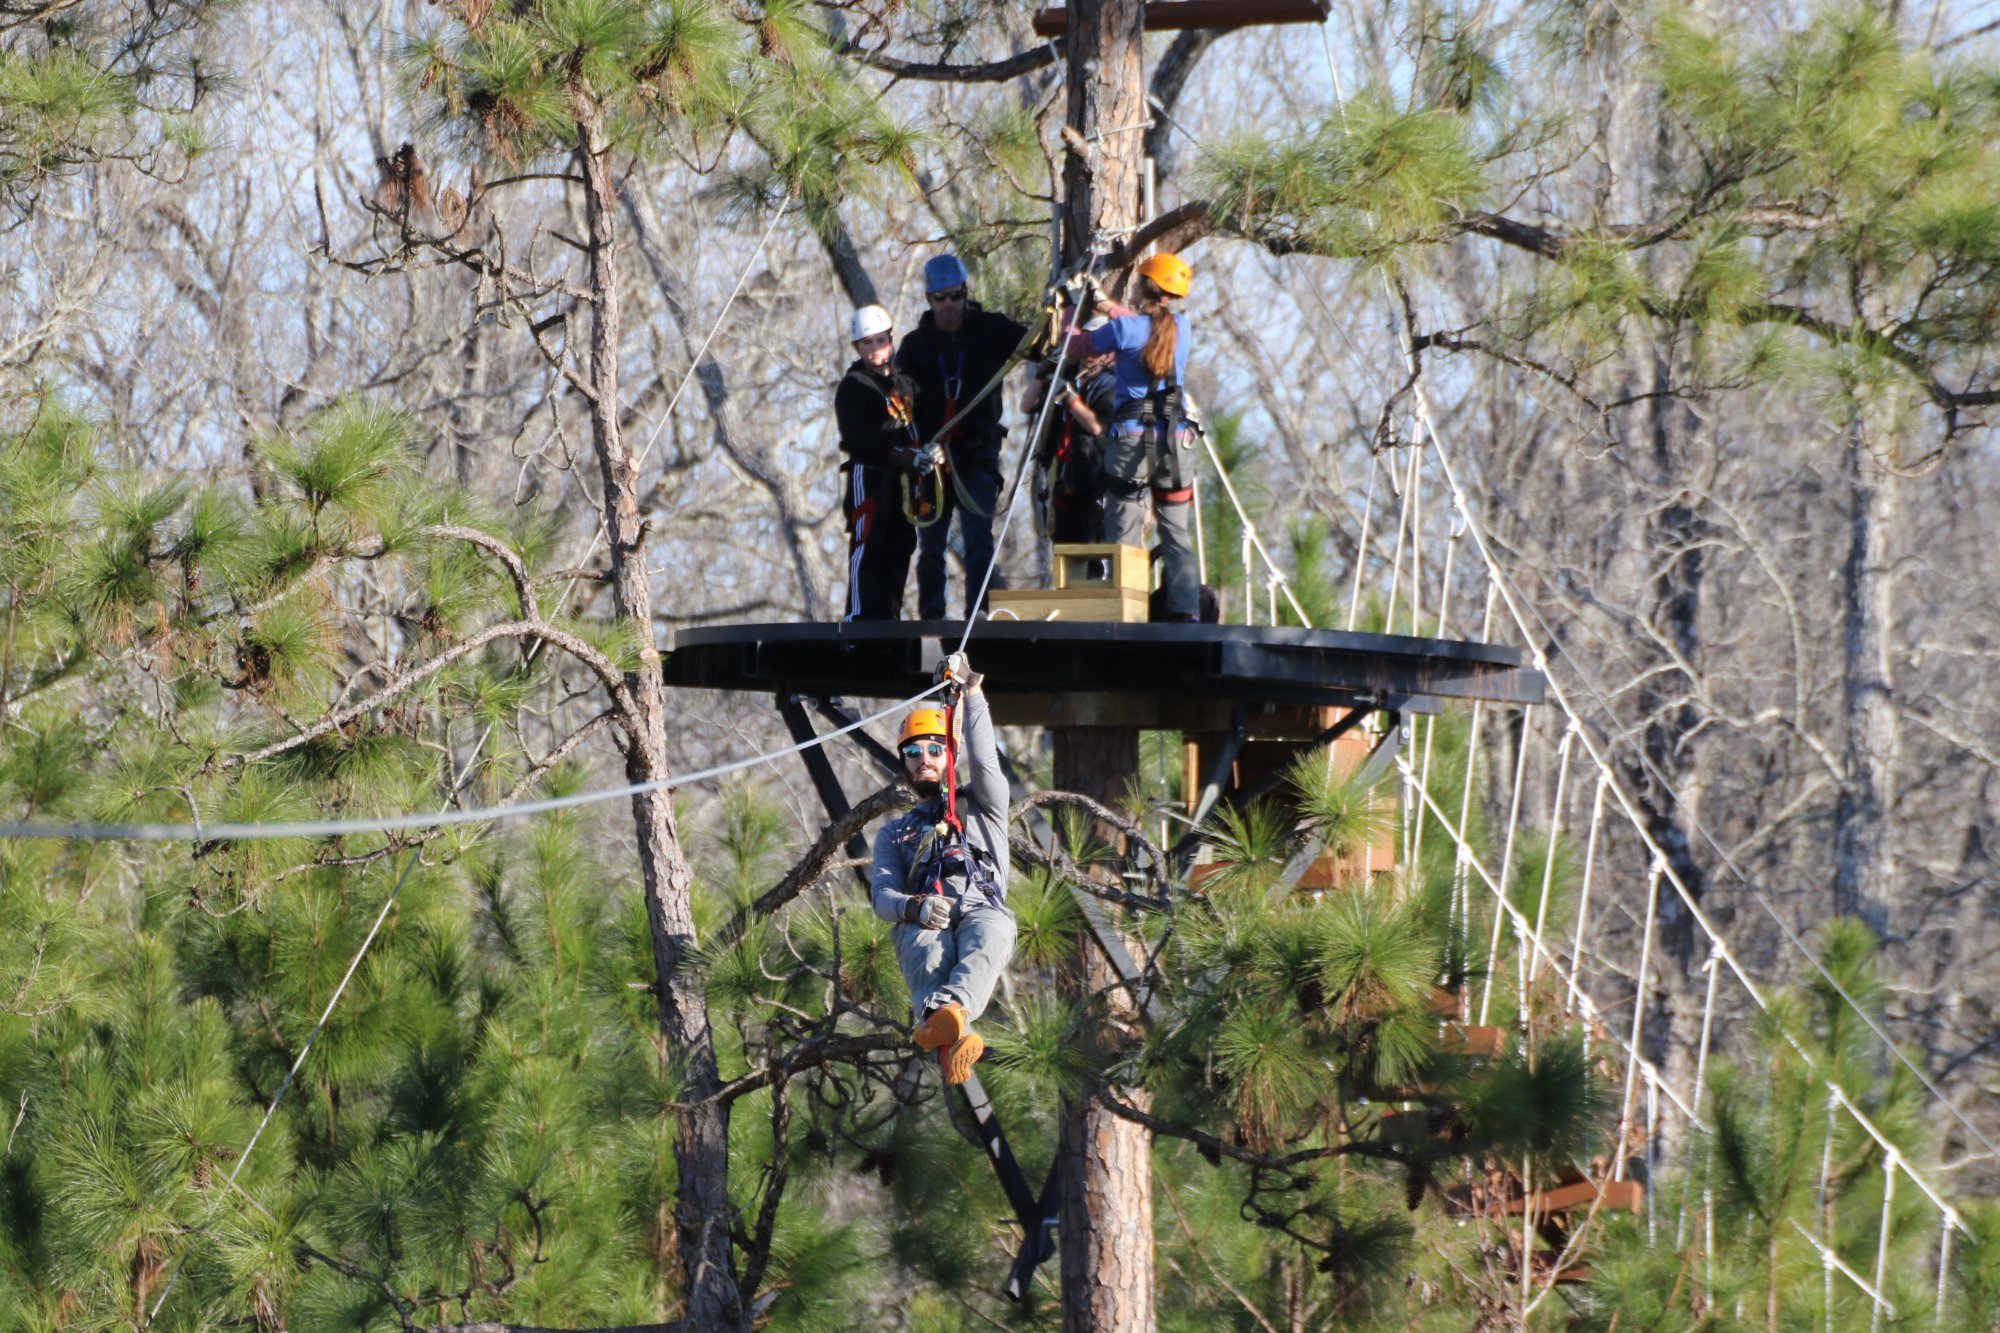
(396, 844)
(1097, 810)
(607, 674)
(996, 71)
(517, 569)
(759, 1244)
(1063, 868)
(831, 1048)
(1213, 1147)
(815, 863)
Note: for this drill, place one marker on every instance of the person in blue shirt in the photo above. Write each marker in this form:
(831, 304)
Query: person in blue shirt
(1150, 447)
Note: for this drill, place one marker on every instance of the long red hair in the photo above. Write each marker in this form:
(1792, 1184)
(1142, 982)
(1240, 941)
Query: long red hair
(1157, 356)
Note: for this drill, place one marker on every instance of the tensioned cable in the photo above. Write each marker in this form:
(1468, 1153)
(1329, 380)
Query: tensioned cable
(713, 329)
(326, 828)
(1509, 595)
(1624, 737)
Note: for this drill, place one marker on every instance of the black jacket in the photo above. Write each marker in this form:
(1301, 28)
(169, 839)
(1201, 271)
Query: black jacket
(861, 410)
(971, 356)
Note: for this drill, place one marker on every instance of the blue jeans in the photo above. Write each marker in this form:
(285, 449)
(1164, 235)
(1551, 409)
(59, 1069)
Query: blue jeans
(962, 963)
(979, 474)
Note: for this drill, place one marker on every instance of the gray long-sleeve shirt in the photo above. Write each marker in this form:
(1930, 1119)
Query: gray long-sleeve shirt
(982, 808)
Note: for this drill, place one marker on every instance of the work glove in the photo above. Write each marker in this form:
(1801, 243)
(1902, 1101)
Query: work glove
(911, 459)
(929, 910)
(957, 670)
(1094, 298)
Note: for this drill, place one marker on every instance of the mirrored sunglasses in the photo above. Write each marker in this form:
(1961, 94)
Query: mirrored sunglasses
(923, 749)
(955, 294)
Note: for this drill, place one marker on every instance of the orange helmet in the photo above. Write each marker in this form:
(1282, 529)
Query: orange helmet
(1170, 273)
(922, 722)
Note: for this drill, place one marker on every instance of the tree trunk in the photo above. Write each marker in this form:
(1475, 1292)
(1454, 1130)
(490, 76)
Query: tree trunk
(1107, 113)
(703, 1213)
(1861, 880)
(1107, 1182)
(1668, 781)
(1107, 1170)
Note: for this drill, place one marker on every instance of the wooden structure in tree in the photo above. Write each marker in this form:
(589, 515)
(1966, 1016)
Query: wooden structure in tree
(1107, 680)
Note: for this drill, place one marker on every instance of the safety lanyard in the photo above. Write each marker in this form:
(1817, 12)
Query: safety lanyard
(951, 768)
(954, 382)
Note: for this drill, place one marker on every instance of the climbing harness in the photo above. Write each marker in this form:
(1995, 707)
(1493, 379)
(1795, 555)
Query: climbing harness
(941, 855)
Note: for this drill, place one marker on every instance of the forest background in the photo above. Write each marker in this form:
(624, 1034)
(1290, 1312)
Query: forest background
(324, 492)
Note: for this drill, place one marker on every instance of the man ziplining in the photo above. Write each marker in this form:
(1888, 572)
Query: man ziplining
(940, 871)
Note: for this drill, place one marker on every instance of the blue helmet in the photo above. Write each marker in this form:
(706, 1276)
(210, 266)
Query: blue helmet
(944, 272)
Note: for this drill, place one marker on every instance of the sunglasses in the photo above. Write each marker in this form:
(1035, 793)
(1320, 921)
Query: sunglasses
(955, 294)
(923, 749)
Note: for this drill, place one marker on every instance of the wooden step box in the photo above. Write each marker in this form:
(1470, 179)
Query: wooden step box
(1122, 595)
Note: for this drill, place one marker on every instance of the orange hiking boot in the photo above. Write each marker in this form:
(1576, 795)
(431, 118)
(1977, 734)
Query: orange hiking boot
(959, 1058)
(941, 1027)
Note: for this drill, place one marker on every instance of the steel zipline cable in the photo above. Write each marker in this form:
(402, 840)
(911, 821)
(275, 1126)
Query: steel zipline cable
(84, 831)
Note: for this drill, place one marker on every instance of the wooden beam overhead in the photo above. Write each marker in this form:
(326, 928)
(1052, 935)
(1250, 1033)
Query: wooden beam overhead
(1173, 15)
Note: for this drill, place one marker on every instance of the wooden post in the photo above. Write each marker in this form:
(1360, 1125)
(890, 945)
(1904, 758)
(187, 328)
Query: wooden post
(1106, 1162)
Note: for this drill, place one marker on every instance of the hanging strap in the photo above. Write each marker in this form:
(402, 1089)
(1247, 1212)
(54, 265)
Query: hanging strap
(951, 770)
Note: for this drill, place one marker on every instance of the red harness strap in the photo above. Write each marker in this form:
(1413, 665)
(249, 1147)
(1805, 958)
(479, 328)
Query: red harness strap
(951, 768)
(950, 798)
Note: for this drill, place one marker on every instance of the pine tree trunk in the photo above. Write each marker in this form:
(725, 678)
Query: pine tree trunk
(1107, 1178)
(701, 1145)
(1669, 781)
(1107, 1184)
(1107, 110)
(1861, 882)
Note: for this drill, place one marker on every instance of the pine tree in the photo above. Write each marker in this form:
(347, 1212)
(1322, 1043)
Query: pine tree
(94, 82)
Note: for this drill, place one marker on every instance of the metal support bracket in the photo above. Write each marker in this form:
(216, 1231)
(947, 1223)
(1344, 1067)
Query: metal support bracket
(885, 758)
(1038, 1241)
(1217, 780)
(820, 769)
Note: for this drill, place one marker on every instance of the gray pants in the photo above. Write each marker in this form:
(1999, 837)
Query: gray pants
(960, 964)
(1126, 485)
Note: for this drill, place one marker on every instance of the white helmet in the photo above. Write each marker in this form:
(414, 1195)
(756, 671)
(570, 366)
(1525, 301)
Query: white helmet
(866, 322)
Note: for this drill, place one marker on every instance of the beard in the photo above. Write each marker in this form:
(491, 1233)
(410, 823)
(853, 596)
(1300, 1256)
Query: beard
(926, 787)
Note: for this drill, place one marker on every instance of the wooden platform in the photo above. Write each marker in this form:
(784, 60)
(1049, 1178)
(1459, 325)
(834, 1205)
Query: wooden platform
(1077, 673)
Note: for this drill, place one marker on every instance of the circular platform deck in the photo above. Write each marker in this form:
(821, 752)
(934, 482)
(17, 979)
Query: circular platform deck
(1081, 673)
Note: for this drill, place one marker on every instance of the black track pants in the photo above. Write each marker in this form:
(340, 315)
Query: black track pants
(880, 542)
